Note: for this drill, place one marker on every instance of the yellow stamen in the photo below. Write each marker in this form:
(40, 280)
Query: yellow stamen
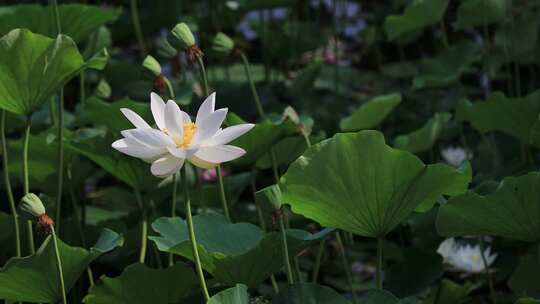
(189, 132)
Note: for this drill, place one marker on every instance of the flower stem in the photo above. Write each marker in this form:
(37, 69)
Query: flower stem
(318, 259)
(60, 157)
(60, 152)
(262, 223)
(222, 193)
(488, 273)
(379, 278)
(192, 238)
(137, 26)
(144, 227)
(252, 86)
(82, 89)
(59, 266)
(346, 265)
(26, 182)
(173, 209)
(7, 183)
(219, 173)
(260, 109)
(285, 248)
(206, 89)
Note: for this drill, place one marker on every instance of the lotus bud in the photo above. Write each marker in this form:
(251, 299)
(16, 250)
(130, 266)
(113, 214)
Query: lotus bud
(222, 44)
(33, 205)
(290, 113)
(151, 64)
(184, 36)
(184, 40)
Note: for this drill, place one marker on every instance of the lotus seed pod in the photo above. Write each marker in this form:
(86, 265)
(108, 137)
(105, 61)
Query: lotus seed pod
(151, 64)
(222, 44)
(33, 205)
(183, 36)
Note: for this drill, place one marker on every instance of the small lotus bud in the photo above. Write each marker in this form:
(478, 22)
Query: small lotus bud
(222, 44)
(151, 64)
(270, 196)
(290, 113)
(33, 205)
(184, 36)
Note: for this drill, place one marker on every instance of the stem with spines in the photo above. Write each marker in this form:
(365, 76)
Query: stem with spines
(173, 209)
(378, 274)
(59, 266)
(218, 168)
(192, 237)
(488, 274)
(144, 226)
(137, 26)
(285, 247)
(346, 265)
(26, 181)
(60, 151)
(7, 183)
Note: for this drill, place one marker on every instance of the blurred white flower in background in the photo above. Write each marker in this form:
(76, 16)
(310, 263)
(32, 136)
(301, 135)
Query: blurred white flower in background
(465, 258)
(455, 156)
(177, 138)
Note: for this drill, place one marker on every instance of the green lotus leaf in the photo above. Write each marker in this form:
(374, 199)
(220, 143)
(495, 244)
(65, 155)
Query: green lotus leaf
(357, 183)
(512, 211)
(132, 171)
(493, 11)
(34, 278)
(258, 141)
(448, 293)
(141, 284)
(78, 20)
(33, 67)
(232, 253)
(424, 138)
(309, 293)
(233, 295)
(416, 17)
(513, 116)
(371, 113)
(97, 146)
(447, 67)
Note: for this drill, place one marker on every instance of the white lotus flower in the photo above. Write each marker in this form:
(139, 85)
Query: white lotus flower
(465, 258)
(455, 156)
(177, 138)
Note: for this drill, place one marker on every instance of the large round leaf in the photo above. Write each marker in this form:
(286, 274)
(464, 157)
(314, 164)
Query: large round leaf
(357, 183)
(512, 211)
(371, 113)
(34, 278)
(416, 17)
(513, 116)
(79, 20)
(232, 253)
(141, 284)
(233, 295)
(425, 137)
(33, 67)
